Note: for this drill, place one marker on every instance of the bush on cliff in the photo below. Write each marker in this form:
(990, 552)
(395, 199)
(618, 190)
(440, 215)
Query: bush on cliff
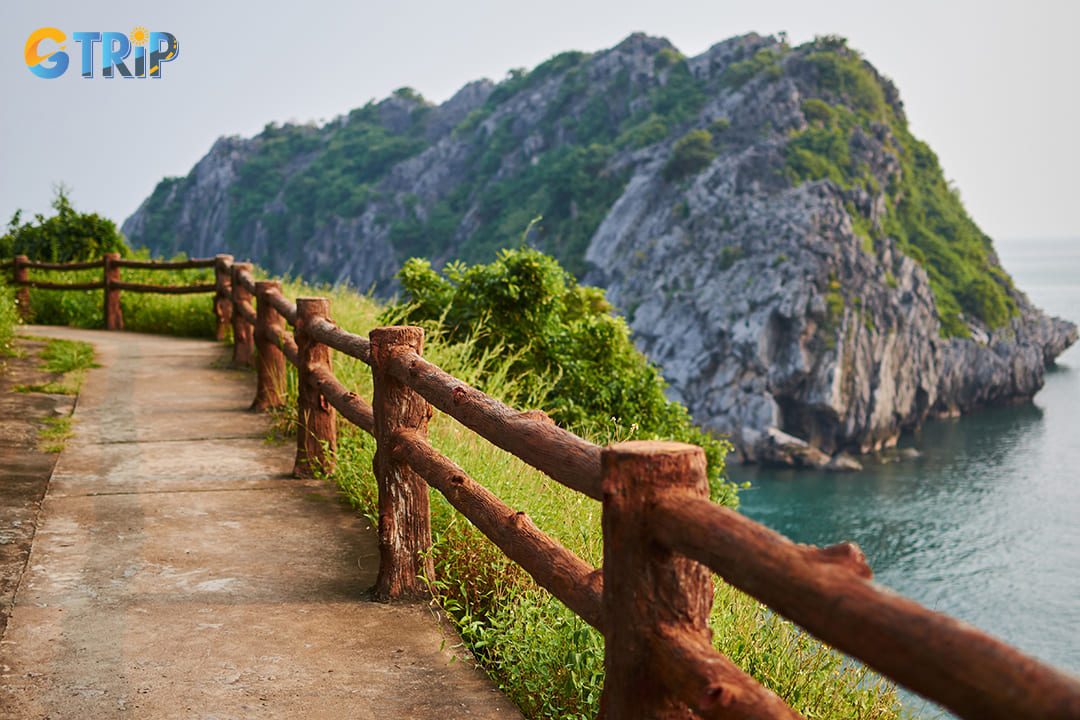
(564, 337)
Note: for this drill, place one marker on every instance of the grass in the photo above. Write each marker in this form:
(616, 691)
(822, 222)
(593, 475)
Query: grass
(9, 320)
(69, 358)
(55, 434)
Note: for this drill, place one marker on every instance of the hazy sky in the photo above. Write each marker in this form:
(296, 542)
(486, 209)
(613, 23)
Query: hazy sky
(991, 86)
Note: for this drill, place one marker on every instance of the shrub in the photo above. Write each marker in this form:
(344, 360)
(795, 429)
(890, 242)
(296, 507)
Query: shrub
(67, 236)
(741, 72)
(719, 126)
(561, 333)
(692, 153)
(665, 58)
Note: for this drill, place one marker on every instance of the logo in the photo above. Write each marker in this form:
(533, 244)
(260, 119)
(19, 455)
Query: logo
(46, 56)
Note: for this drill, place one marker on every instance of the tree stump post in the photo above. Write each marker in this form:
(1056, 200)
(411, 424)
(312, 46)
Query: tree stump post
(243, 332)
(404, 510)
(22, 295)
(223, 293)
(270, 361)
(645, 584)
(114, 319)
(316, 432)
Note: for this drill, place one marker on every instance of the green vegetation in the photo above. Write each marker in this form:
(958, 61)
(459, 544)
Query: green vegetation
(691, 154)
(9, 319)
(185, 315)
(297, 178)
(55, 434)
(765, 61)
(68, 358)
(67, 236)
(925, 216)
(570, 351)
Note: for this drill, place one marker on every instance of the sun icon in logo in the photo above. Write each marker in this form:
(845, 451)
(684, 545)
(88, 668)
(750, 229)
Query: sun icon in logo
(139, 36)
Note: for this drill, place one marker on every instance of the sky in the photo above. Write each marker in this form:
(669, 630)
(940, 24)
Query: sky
(990, 85)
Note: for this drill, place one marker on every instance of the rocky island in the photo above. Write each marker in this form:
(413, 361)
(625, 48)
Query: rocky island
(777, 240)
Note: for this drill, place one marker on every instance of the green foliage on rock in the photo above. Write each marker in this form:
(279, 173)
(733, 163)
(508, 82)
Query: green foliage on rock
(691, 154)
(67, 236)
(568, 186)
(526, 303)
(923, 214)
(765, 61)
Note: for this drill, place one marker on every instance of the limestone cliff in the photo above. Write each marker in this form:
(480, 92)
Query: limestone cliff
(780, 244)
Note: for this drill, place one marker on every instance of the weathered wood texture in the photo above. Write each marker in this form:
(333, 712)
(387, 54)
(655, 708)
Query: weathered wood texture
(243, 327)
(20, 276)
(404, 510)
(316, 437)
(285, 308)
(246, 279)
(829, 593)
(285, 341)
(573, 581)
(114, 319)
(248, 314)
(646, 584)
(270, 361)
(531, 436)
(351, 406)
(330, 334)
(222, 294)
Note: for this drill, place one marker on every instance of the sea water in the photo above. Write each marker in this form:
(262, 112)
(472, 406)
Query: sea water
(985, 524)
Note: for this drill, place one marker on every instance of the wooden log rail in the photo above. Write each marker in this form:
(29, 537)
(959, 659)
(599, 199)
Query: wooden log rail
(663, 538)
(112, 285)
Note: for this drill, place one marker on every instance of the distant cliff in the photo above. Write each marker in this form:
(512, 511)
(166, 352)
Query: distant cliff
(779, 242)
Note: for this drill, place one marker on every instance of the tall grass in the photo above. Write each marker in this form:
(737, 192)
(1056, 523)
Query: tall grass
(9, 319)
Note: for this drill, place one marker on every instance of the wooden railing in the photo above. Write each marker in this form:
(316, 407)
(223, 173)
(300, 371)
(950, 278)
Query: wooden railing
(112, 285)
(662, 536)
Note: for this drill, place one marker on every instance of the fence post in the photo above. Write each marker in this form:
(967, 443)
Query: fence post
(645, 584)
(114, 319)
(316, 434)
(270, 361)
(243, 334)
(223, 292)
(22, 295)
(404, 510)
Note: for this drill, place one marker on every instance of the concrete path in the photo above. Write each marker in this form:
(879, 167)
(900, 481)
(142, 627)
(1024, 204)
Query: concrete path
(179, 572)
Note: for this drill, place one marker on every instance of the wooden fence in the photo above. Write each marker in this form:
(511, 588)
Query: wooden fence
(111, 285)
(662, 536)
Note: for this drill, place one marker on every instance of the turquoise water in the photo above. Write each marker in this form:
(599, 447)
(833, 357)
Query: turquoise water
(985, 525)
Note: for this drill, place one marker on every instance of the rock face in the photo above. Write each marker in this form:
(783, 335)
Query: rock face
(778, 242)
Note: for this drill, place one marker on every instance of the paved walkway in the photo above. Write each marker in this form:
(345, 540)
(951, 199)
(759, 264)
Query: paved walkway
(179, 572)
